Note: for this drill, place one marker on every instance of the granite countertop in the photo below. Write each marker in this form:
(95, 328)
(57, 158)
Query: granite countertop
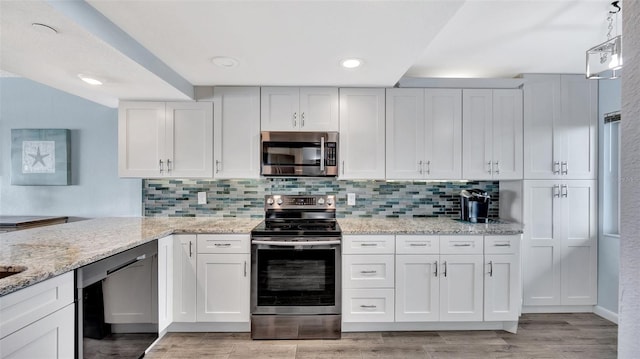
(50, 251)
(46, 252)
(435, 225)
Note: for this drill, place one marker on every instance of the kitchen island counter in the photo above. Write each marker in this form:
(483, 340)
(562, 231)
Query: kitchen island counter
(46, 252)
(426, 226)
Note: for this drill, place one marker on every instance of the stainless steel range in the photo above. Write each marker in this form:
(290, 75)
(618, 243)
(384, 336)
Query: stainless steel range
(295, 269)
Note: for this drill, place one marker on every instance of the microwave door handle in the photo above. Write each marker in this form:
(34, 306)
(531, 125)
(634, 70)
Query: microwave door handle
(322, 154)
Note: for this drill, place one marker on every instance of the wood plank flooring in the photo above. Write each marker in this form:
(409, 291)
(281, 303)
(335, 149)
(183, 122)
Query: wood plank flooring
(565, 336)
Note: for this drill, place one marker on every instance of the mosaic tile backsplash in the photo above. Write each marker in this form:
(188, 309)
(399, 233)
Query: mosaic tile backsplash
(245, 198)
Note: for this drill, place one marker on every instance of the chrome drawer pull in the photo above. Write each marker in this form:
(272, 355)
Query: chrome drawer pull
(368, 244)
(368, 306)
(222, 244)
(502, 245)
(462, 245)
(368, 272)
(417, 244)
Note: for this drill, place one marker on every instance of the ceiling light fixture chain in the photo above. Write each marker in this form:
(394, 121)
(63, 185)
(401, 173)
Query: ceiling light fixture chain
(605, 59)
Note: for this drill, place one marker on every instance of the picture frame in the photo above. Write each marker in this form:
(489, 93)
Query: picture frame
(41, 157)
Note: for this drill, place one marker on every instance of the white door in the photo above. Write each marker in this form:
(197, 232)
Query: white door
(362, 134)
(417, 293)
(442, 134)
(319, 109)
(223, 287)
(405, 134)
(184, 274)
(579, 243)
(501, 287)
(579, 127)
(477, 133)
(236, 132)
(542, 242)
(541, 113)
(165, 283)
(461, 288)
(507, 134)
(50, 337)
(279, 109)
(141, 139)
(189, 145)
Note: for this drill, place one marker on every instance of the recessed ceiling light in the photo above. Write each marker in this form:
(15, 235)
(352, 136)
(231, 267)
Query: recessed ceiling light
(351, 63)
(225, 61)
(90, 80)
(45, 29)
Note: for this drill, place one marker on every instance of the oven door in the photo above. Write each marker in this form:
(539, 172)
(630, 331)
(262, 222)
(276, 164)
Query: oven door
(301, 277)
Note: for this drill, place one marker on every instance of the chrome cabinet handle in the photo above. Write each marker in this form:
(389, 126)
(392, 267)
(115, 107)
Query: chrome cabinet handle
(564, 191)
(161, 167)
(556, 167)
(222, 244)
(368, 244)
(295, 119)
(190, 249)
(302, 119)
(245, 269)
(462, 245)
(368, 306)
(497, 167)
(420, 167)
(168, 165)
(502, 245)
(217, 166)
(564, 168)
(368, 272)
(417, 245)
(343, 167)
(445, 269)
(435, 274)
(489, 164)
(428, 167)
(490, 268)
(556, 191)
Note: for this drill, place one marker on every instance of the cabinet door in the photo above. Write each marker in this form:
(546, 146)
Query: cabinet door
(461, 289)
(417, 288)
(50, 337)
(362, 134)
(477, 134)
(541, 115)
(579, 243)
(184, 278)
(405, 134)
(502, 287)
(542, 242)
(279, 109)
(236, 132)
(579, 127)
(507, 134)
(443, 134)
(223, 287)
(141, 139)
(319, 109)
(165, 283)
(189, 146)
(128, 295)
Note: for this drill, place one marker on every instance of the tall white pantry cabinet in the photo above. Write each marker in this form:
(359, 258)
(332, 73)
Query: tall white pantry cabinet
(560, 200)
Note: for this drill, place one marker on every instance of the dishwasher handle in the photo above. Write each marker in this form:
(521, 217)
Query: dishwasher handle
(126, 264)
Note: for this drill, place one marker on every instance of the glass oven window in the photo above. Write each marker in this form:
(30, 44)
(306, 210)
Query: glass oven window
(290, 277)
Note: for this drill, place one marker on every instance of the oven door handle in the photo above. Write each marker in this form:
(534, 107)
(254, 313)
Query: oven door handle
(296, 243)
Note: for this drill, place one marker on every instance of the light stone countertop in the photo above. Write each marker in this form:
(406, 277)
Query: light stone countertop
(50, 251)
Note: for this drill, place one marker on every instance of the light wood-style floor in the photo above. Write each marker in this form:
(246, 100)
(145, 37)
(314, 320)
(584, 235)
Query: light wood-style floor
(580, 336)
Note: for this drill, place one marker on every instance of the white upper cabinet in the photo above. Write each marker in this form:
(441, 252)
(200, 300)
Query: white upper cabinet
(362, 133)
(424, 133)
(299, 109)
(172, 139)
(236, 132)
(492, 134)
(560, 124)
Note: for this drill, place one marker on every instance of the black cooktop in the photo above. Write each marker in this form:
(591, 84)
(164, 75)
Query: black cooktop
(289, 227)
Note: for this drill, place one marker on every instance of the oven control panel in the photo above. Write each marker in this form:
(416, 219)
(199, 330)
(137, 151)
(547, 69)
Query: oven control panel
(276, 201)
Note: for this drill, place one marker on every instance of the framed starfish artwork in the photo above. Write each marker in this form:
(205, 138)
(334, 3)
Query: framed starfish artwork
(40, 157)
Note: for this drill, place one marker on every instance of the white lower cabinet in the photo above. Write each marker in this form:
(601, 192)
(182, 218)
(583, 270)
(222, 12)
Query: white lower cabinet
(184, 277)
(223, 288)
(39, 321)
(417, 288)
(461, 288)
(367, 305)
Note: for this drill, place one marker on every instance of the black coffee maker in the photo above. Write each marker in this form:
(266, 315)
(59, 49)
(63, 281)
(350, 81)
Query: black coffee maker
(475, 205)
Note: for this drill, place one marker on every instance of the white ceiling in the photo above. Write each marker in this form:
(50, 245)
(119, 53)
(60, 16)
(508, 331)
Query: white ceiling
(149, 49)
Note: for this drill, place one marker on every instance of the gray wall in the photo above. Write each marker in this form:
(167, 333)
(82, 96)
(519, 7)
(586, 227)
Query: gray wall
(629, 312)
(609, 99)
(96, 190)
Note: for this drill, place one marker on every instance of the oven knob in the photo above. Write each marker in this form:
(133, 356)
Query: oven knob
(329, 202)
(279, 201)
(321, 201)
(270, 201)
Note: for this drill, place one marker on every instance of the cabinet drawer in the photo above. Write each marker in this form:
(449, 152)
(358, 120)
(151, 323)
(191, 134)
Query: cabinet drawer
(368, 244)
(28, 305)
(368, 305)
(461, 245)
(368, 271)
(502, 244)
(417, 244)
(223, 243)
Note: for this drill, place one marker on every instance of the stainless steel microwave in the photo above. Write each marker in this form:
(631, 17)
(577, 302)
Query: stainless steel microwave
(298, 154)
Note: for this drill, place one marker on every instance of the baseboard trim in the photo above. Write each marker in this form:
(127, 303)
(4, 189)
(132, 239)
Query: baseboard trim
(509, 326)
(558, 309)
(606, 314)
